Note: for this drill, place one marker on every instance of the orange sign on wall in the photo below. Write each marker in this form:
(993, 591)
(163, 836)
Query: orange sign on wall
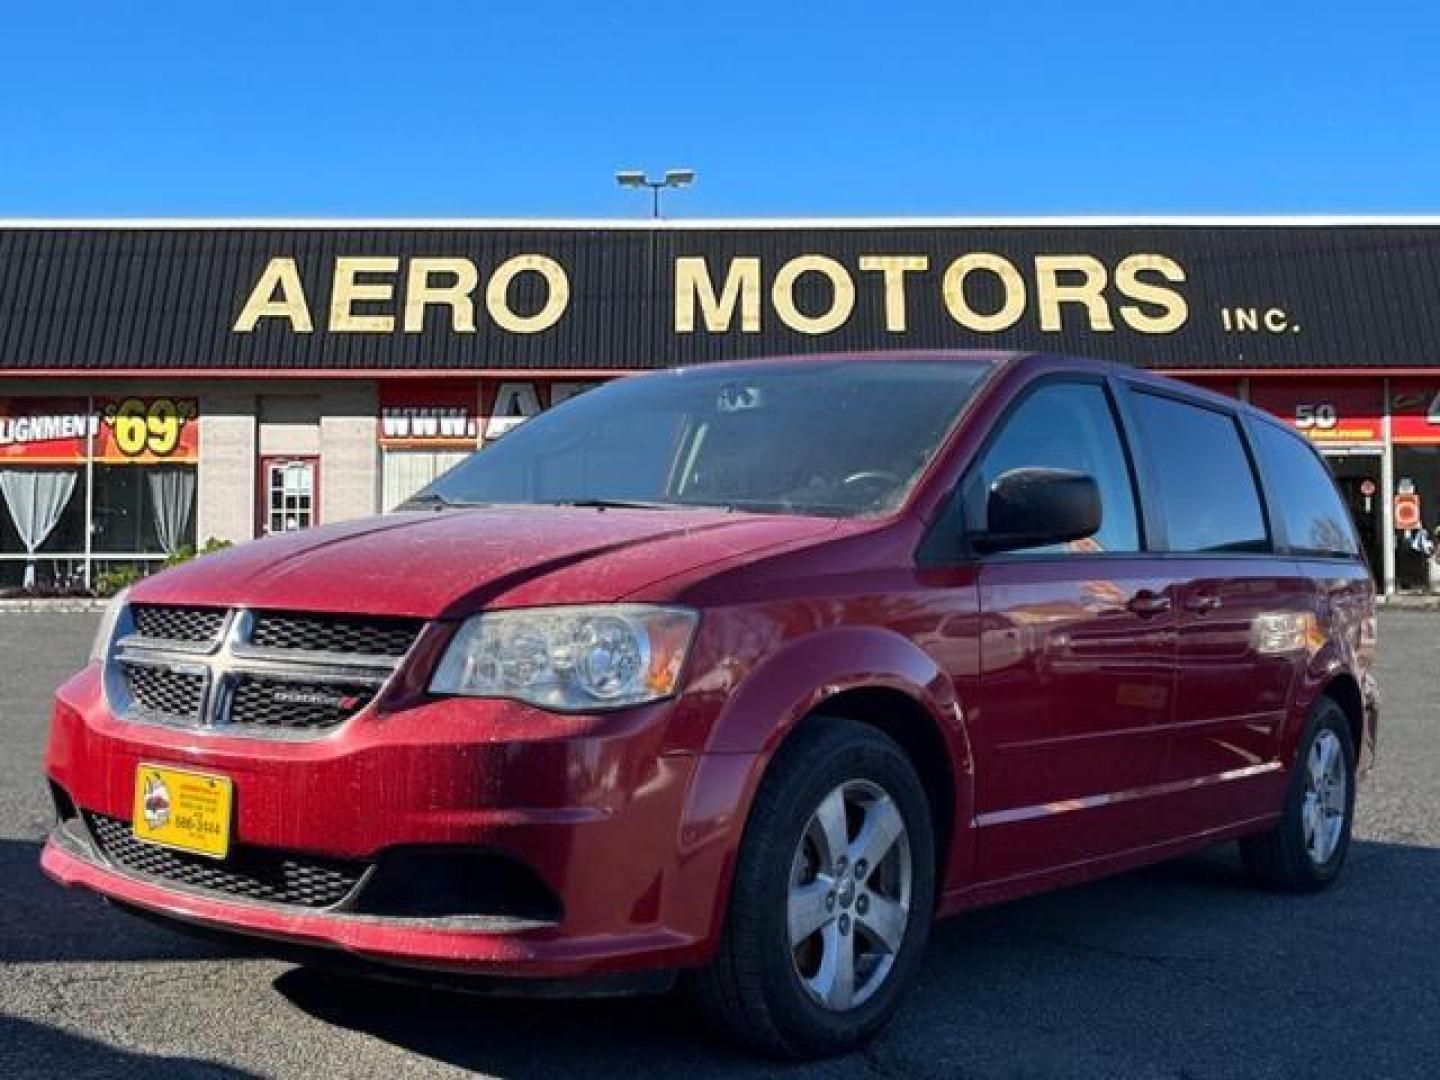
(121, 431)
(139, 431)
(1415, 411)
(1407, 511)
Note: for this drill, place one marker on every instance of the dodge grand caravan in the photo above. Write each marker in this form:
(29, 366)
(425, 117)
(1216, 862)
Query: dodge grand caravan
(741, 674)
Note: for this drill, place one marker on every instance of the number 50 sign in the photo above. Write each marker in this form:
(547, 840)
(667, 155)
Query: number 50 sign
(1327, 410)
(158, 429)
(1322, 416)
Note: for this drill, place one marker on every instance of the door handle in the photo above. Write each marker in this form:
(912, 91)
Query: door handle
(1203, 604)
(1147, 604)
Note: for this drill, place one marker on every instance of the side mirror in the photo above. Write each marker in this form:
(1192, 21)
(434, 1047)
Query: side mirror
(1035, 507)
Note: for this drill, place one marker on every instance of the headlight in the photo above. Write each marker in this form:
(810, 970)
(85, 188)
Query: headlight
(569, 659)
(106, 630)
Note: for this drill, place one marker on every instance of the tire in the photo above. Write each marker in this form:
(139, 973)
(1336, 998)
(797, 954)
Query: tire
(1291, 857)
(782, 1000)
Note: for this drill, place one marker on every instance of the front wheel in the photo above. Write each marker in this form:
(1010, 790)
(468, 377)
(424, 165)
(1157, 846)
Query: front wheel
(1306, 850)
(832, 899)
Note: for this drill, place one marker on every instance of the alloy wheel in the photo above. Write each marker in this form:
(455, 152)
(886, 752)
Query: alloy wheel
(848, 906)
(1326, 797)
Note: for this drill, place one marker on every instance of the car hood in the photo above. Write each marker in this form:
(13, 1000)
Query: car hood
(452, 562)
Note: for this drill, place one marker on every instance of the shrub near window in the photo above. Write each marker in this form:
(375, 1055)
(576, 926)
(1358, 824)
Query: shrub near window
(111, 581)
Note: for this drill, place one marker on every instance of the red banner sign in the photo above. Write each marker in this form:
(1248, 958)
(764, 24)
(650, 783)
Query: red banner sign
(1229, 386)
(460, 414)
(119, 431)
(1415, 411)
(509, 402)
(45, 430)
(429, 415)
(1328, 411)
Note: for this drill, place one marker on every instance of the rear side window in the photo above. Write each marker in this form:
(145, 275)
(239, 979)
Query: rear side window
(1064, 426)
(1201, 476)
(1303, 494)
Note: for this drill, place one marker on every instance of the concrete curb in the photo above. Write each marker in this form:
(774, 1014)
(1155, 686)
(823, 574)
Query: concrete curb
(54, 605)
(1410, 603)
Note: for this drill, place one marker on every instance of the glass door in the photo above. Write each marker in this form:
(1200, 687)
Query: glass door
(289, 494)
(1358, 474)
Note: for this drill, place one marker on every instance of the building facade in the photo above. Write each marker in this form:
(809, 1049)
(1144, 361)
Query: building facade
(164, 383)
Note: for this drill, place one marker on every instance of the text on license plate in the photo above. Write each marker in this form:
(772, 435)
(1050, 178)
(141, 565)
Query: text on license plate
(181, 809)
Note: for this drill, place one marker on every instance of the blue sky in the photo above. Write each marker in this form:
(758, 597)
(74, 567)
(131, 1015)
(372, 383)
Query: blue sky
(355, 108)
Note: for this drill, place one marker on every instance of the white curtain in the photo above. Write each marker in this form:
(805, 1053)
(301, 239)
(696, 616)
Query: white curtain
(36, 498)
(172, 495)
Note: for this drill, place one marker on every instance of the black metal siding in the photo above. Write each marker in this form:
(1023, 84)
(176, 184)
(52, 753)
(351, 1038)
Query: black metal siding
(155, 299)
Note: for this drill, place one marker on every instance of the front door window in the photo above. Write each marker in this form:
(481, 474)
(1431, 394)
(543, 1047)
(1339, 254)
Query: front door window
(288, 495)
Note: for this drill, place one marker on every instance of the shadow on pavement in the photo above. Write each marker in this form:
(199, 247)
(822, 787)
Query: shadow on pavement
(42, 922)
(1182, 968)
(52, 1051)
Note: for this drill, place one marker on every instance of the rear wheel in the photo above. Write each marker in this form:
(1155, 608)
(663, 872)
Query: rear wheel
(1306, 850)
(833, 895)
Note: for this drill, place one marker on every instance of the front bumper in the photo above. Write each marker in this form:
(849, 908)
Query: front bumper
(457, 945)
(595, 807)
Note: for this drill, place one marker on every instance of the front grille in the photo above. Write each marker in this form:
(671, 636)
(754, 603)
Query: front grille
(262, 673)
(281, 703)
(177, 623)
(165, 693)
(325, 633)
(248, 872)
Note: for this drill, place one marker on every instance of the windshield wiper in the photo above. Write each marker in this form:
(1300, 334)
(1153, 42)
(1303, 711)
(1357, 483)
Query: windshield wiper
(618, 504)
(433, 499)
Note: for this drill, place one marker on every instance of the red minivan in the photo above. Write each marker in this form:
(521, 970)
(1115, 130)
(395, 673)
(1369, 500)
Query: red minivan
(741, 674)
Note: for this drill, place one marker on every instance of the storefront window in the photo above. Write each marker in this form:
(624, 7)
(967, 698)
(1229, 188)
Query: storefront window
(407, 471)
(1415, 428)
(1417, 518)
(43, 516)
(128, 463)
(144, 509)
(1344, 418)
(426, 426)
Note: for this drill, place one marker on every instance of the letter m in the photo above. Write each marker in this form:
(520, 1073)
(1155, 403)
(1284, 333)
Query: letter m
(694, 287)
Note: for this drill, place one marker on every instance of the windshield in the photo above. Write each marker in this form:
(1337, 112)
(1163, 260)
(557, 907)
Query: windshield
(833, 438)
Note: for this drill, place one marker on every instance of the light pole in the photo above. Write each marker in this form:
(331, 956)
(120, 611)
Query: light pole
(673, 178)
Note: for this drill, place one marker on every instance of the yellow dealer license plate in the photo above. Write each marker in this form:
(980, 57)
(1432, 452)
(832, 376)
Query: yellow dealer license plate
(188, 811)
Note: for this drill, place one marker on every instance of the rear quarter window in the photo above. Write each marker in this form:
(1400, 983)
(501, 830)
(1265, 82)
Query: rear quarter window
(1303, 495)
(1201, 477)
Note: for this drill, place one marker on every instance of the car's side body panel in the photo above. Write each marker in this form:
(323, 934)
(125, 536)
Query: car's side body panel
(1344, 652)
(1075, 693)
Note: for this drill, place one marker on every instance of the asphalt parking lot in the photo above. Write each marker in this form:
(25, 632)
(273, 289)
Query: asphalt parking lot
(1177, 971)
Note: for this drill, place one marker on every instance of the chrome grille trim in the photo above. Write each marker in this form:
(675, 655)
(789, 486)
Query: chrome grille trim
(167, 645)
(230, 658)
(351, 665)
